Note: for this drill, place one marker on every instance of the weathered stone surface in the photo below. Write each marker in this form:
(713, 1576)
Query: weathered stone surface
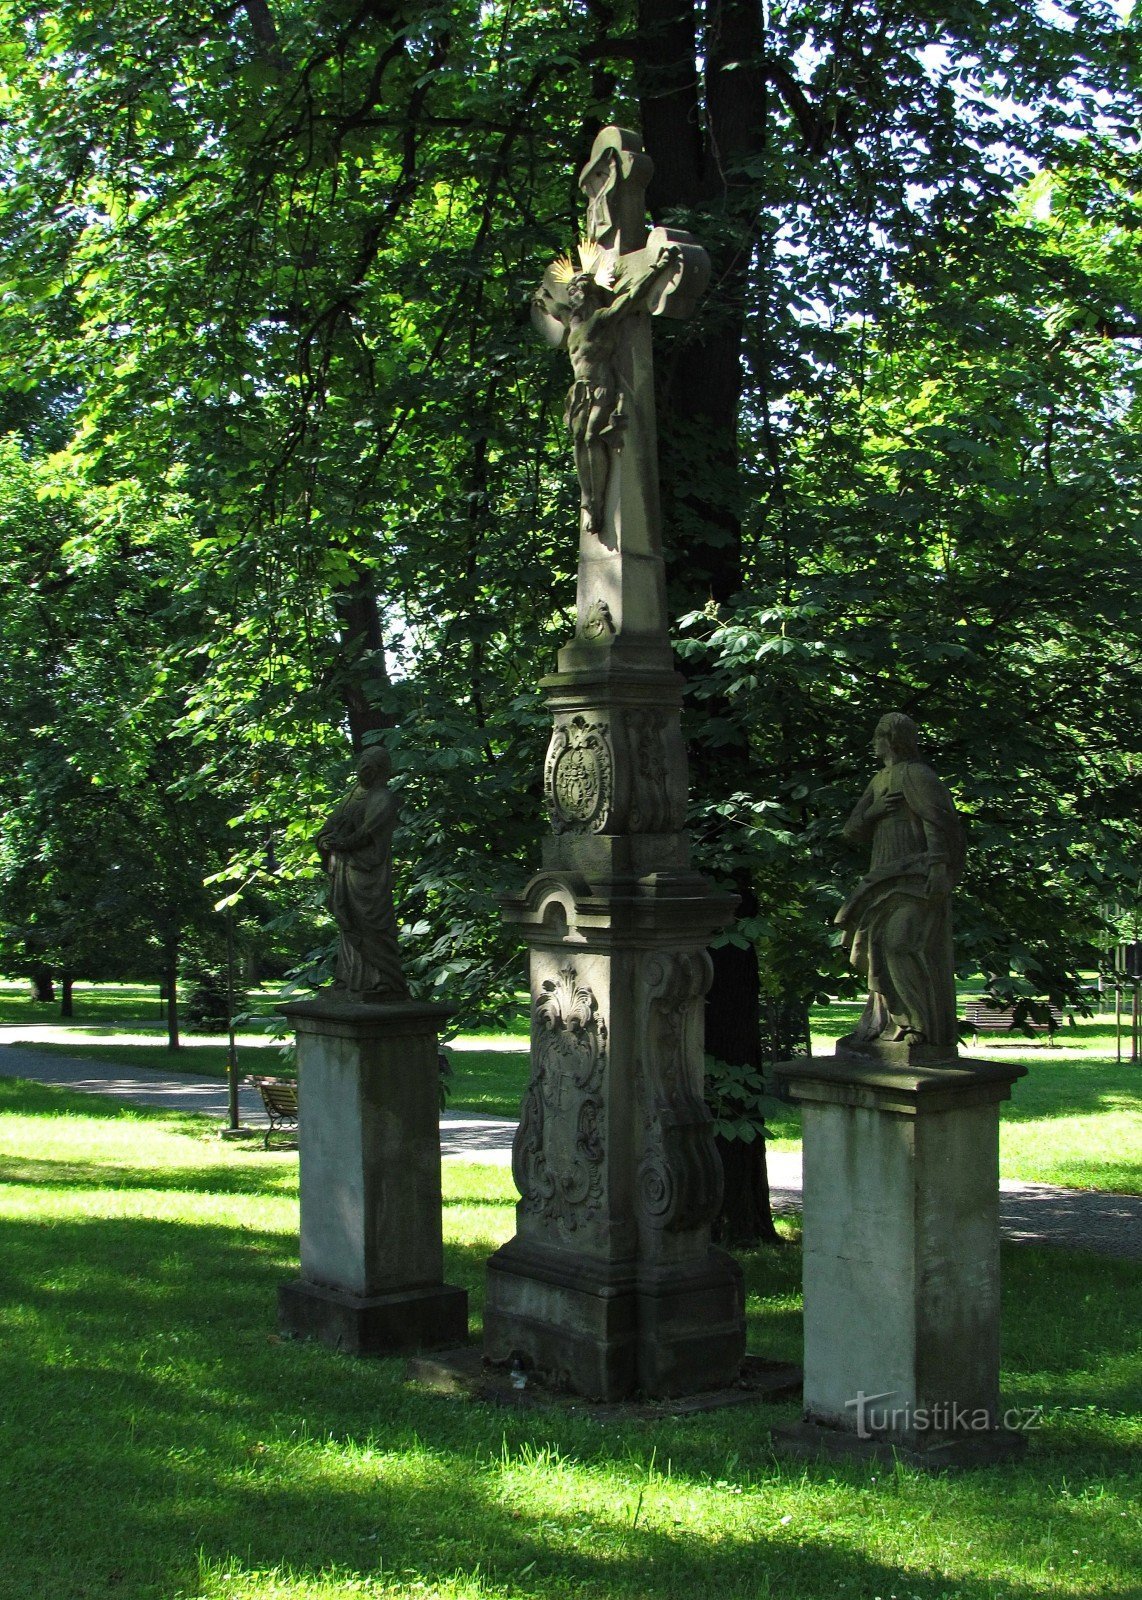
(356, 848)
(611, 1284)
(434, 1318)
(901, 1247)
(897, 924)
(369, 1137)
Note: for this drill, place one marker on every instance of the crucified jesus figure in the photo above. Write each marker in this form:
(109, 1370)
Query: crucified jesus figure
(592, 315)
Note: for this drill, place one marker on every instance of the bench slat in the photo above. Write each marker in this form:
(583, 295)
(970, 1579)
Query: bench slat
(982, 1018)
(279, 1096)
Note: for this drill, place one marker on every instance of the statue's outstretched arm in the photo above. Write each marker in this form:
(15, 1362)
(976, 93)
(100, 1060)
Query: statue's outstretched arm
(633, 293)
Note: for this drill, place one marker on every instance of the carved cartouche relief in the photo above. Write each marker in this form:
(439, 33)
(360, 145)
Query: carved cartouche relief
(578, 776)
(622, 772)
(679, 1182)
(557, 1154)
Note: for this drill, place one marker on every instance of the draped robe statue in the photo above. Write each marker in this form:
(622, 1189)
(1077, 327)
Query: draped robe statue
(356, 846)
(897, 925)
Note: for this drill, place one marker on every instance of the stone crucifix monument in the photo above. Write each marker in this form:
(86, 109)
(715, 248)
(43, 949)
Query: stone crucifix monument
(900, 1140)
(369, 1113)
(611, 1284)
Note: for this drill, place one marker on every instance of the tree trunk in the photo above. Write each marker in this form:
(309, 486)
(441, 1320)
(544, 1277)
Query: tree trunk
(747, 1215)
(697, 168)
(43, 989)
(170, 984)
(733, 1033)
(66, 1007)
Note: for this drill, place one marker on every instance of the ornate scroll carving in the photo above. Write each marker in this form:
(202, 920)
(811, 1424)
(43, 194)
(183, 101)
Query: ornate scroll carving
(578, 776)
(557, 1155)
(679, 1182)
(652, 804)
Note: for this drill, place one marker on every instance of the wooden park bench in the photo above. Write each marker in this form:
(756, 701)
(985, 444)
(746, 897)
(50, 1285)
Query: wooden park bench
(279, 1096)
(982, 1018)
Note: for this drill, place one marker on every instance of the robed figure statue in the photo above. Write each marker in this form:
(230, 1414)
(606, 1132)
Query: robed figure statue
(897, 925)
(356, 848)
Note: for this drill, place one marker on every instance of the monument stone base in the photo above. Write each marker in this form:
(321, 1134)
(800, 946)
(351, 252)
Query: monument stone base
(372, 1256)
(811, 1441)
(901, 1254)
(607, 1331)
(382, 1324)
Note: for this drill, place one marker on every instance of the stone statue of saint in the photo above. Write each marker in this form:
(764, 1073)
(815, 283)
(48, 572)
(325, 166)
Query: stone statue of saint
(591, 311)
(356, 848)
(897, 924)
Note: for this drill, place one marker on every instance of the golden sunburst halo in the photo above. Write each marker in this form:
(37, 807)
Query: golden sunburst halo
(593, 262)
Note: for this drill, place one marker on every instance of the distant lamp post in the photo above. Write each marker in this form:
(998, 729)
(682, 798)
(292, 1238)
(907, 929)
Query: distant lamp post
(1128, 969)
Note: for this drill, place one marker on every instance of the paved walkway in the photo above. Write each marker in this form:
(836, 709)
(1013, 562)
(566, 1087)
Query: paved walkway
(1030, 1213)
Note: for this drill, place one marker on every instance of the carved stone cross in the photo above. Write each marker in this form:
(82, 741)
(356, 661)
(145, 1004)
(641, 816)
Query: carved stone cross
(611, 1283)
(598, 307)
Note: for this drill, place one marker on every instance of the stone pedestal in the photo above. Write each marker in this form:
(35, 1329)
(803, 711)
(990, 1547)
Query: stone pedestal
(611, 1284)
(901, 1252)
(369, 1137)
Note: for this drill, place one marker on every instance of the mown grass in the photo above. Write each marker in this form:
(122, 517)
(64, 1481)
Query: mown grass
(158, 1442)
(104, 1003)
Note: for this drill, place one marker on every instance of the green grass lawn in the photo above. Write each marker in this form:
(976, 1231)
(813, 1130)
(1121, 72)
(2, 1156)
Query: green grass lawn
(158, 1442)
(104, 1004)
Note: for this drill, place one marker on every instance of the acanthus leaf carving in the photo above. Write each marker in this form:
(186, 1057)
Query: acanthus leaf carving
(679, 1180)
(558, 1151)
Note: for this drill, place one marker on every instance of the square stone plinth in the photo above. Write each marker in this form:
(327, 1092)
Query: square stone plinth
(369, 1140)
(375, 1325)
(610, 1331)
(901, 1247)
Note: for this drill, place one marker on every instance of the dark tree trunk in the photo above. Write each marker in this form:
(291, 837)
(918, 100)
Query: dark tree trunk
(66, 1006)
(170, 984)
(699, 153)
(733, 1033)
(43, 989)
(747, 1216)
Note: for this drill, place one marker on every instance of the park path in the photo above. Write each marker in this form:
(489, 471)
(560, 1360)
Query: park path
(1030, 1213)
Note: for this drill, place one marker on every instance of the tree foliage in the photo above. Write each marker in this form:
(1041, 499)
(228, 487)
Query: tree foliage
(266, 270)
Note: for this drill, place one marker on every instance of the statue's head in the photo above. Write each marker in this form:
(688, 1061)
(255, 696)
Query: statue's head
(583, 292)
(896, 737)
(375, 765)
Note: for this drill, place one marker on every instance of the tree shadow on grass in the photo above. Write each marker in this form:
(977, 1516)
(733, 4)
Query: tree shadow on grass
(266, 1178)
(152, 1413)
